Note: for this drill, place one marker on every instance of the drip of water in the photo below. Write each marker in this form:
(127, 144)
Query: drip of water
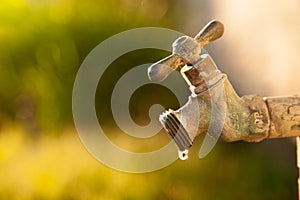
(183, 155)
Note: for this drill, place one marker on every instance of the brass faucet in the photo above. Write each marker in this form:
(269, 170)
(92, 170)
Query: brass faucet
(213, 106)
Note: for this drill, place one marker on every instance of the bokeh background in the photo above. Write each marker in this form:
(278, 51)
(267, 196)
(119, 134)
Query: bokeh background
(42, 44)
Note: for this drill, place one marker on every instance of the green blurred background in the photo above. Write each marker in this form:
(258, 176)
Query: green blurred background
(42, 44)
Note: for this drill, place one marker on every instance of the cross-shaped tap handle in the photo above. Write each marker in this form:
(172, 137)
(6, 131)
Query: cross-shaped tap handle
(161, 69)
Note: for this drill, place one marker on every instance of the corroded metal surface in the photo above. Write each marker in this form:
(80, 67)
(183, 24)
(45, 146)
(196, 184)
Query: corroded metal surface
(285, 116)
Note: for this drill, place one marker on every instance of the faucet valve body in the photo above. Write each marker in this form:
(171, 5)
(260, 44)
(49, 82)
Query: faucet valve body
(214, 107)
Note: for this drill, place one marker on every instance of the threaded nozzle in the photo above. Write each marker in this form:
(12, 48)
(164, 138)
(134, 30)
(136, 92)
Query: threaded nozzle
(177, 132)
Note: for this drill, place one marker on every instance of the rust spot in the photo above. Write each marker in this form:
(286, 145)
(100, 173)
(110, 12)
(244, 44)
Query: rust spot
(294, 110)
(295, 127)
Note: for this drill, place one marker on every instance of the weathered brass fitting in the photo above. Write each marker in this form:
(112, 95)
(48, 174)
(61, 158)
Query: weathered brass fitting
(214, 107)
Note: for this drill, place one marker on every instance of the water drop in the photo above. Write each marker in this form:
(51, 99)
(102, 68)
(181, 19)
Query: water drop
(183, 155)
